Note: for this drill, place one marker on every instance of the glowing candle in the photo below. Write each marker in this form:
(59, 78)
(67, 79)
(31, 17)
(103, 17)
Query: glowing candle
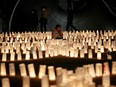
(5, 82)
(42, 71)
(12, 69)
(4, 57)
(31, 70)
(3, 69)
(22, 69)
(98, 69)
(45, 81)
(26, 81)
(51, 73)
(71, 52)
(12, 56)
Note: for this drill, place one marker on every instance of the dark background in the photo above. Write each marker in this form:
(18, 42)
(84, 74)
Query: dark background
(88, 14)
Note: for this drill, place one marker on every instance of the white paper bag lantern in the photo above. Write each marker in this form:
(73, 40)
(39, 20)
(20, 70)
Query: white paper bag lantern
(58, 71)
(114, 68)
(5, 82)
(27, 55)
(42, 71)
(4, 57)
(31, 70)
(51, 73)
(12, 69)
(34, 55)
(26, 81)
(90, 55)
(22, 69)
(19, 56)
(106, 80)
(106, 68)
(3, 69)
(98, 69)
(12, 56)
(45, 81)
(40, 54)
(99, 55)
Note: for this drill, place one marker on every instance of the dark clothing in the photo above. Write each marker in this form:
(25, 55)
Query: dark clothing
(70, 20)
(43, 21)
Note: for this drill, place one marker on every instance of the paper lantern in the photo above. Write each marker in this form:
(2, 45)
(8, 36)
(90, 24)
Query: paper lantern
(5, 82)
(45, 81)
(106, 68)
(4, 57)
(98, 69)
(19, 56)
(90, 55)
(82, 55)
(99, 55)
(11, 69)
(42, 71)
(22, 68)
(31, 70)
(26, 81)
(51, 73)
(114, 68)
(58, 71)
(27, 55)
(106, 80)
(40, 54)
(12, 56)
(34, 54)
(3, 69)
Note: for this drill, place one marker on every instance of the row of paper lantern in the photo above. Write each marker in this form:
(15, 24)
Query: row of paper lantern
(82, 77)
(85, 70)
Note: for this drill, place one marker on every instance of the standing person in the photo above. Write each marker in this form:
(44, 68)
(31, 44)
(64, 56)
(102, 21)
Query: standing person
(57, 32)
(70, 15)
(43, 19)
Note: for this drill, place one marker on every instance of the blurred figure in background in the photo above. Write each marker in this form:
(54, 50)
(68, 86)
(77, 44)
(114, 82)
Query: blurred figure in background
(57, 32)
(43, 19)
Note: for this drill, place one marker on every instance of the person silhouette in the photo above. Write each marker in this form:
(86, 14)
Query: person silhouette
(70, 16)
(43, 19)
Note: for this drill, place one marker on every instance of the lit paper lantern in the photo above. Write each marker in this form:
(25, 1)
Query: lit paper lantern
(51, 73)
(106, 80)
(22, 69)
(99, 55)
(98, 69)
(90, 55)
(26, 81)
(11, 69)
(45, 81)
(3, 69)
(42, 71)
(5, 82)
(31, 70)
(12, 56)
(4, 57)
